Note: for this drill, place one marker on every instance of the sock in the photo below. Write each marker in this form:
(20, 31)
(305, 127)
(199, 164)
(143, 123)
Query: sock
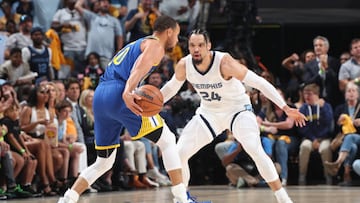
(141, 177)
(72, 194)
(282, 196)
(179, 192)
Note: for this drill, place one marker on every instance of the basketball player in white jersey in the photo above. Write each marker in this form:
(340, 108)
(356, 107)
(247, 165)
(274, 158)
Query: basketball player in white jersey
(217, 78)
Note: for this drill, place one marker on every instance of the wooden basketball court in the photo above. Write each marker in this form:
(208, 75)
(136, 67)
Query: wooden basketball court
(220, 194)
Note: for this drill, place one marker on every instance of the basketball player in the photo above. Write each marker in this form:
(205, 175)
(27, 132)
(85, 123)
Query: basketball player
(115, 108)
(217, 78)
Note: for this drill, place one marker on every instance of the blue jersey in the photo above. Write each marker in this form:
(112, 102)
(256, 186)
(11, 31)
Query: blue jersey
(120, 66)
(110, 112)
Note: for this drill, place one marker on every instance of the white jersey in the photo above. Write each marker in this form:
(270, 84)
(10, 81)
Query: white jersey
(217, 94)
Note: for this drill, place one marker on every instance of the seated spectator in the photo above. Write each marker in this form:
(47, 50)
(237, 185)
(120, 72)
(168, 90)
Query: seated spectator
(67, 137)
(6, 100)
(11, 189)
(34, 120)
(240, 169)
(78, 116)
(278, 128)
(317, 132)
(15, 69)
(86, 99)
(347, 116)
(25, 161)
(135, 152)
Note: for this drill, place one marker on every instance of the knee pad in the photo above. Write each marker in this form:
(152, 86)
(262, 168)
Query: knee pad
(166, 138)
(167, 145)
(104, 153)
(103, 163)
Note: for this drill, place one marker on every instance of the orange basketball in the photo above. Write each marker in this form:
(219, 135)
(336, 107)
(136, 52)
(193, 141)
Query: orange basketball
(151, 100)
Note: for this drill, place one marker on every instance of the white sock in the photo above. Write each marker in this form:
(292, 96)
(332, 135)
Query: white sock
(72, 194)
(179, 192)
(282, 196)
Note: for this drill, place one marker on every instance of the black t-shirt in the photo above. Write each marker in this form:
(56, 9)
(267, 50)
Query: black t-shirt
(13, 127)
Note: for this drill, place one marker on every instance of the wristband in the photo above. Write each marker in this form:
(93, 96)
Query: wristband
(262, 128)
(3, 132)
(70, 147)
(22, 151)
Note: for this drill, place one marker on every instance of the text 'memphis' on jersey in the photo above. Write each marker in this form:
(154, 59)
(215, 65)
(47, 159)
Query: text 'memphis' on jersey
(216, 92)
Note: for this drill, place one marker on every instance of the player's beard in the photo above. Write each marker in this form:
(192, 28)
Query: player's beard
(197, 61)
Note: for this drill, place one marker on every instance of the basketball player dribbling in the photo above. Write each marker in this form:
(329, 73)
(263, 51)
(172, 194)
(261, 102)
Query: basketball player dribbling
(115, 108)
(217, 78)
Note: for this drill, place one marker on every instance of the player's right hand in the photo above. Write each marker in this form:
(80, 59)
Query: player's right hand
(129, 99)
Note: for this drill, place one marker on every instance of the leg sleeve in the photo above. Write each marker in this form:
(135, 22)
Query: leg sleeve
(246, 131)
(194, 136)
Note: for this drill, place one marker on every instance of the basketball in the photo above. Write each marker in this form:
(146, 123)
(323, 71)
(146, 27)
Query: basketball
(151, 100)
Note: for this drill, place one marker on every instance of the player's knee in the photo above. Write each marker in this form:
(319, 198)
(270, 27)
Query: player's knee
(166, 139)
(106, 158)
(255, 151)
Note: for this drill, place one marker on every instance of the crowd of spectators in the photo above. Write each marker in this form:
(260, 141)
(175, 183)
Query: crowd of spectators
(49, 70)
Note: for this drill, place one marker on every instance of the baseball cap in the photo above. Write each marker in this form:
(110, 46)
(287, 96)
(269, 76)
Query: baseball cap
(25, 18)
(36, 29)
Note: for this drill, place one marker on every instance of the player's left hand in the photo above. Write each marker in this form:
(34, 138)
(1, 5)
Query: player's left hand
(129, 99)
(299, 118)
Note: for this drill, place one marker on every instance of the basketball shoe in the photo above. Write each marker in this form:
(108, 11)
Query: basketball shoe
(191, 199)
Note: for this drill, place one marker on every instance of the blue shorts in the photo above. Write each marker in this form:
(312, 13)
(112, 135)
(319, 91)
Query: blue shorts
(111, 116)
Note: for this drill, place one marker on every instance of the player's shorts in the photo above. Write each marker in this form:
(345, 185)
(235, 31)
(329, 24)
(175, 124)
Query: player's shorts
(111, 116)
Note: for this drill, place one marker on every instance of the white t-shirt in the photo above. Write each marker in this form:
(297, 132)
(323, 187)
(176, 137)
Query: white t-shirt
(76, 39)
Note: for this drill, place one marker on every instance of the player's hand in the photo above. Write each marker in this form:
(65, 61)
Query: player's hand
(129, 99)
(299, 118)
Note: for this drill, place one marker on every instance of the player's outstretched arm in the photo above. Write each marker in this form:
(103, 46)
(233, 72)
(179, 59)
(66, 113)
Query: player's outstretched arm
(270, 92)
(231, 68)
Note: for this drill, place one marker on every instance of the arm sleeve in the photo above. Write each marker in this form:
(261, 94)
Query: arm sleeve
(265, 87)
(171, 88)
